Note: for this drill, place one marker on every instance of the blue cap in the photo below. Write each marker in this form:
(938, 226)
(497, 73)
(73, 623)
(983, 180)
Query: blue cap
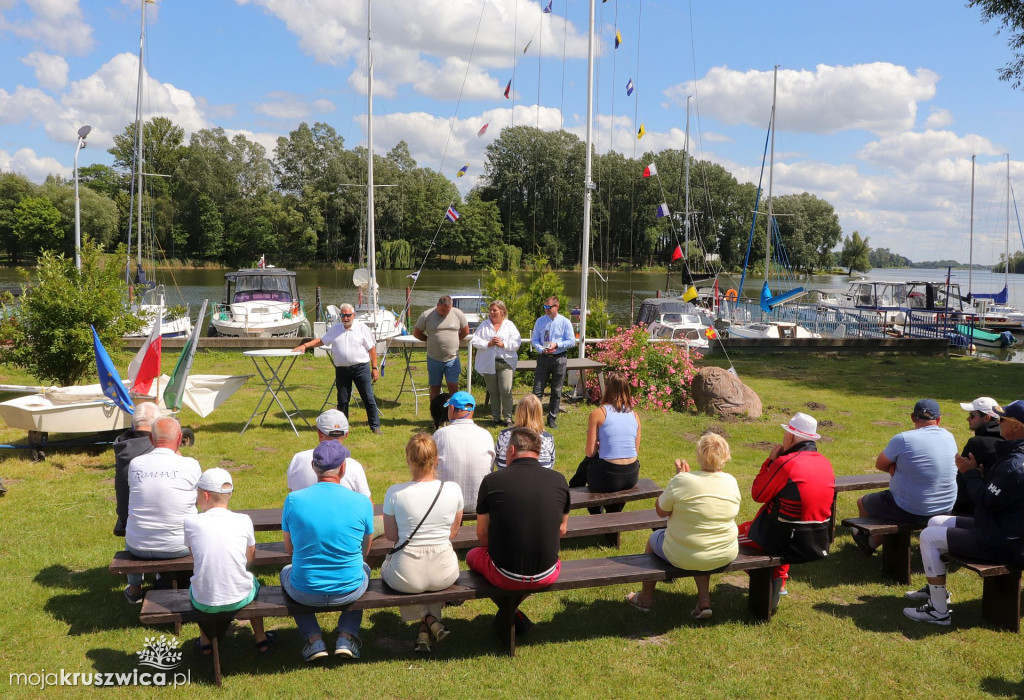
(329, 454)
(462, 401)
(928, 409)
(1013, 410)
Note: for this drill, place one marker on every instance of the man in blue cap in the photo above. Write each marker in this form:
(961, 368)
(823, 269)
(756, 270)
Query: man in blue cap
(465, 451)
(921, 464)
(996, 532)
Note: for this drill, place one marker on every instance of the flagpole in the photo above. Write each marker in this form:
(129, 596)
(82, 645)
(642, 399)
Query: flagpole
(371, 243)
(588, 187)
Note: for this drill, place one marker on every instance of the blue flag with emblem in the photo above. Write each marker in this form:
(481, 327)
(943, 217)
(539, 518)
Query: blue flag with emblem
(110, 380)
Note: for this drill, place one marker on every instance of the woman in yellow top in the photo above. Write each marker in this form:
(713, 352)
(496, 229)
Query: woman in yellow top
(701, 535)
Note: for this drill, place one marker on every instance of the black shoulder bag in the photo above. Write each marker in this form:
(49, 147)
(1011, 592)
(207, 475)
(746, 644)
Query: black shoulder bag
(422, 520)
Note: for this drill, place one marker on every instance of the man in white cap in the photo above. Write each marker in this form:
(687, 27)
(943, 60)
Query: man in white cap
(797, 486)
(465, 451)
(222, 544)
(330, 425)
(984, 423)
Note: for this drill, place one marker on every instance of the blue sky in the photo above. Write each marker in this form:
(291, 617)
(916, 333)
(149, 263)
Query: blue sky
(880, 107)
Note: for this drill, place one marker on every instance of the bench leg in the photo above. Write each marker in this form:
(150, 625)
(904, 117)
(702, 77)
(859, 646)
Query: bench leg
(832, 518)
(759, 596)
(896, 557)
(213, 632)
(1000, 601)
(612, 539)
(506, 617)
(177, 624)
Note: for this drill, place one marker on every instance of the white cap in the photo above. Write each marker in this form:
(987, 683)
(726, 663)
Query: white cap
(332, 422)
(983, 404)
(803, 426)
(213, 480)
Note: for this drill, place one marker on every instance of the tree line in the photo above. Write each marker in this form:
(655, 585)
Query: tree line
(224, 200)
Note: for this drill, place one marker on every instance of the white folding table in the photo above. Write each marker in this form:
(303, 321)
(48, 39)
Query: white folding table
(274, 381)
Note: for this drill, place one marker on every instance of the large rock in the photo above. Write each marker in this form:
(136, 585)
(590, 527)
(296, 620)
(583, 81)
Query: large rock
(719, 392)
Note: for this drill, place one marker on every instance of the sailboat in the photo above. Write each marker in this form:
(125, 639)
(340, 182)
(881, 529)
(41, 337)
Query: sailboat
(384, 323)
(148, 299)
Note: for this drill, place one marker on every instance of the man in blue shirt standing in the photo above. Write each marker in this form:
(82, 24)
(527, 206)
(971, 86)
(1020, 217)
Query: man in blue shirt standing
(922, 465)
(552, 337)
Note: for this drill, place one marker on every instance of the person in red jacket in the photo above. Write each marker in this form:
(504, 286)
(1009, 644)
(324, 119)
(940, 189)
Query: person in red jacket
(797, 486)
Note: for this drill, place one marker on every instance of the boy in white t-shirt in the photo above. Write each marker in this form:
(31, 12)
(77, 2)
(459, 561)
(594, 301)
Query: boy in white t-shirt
(222, 543)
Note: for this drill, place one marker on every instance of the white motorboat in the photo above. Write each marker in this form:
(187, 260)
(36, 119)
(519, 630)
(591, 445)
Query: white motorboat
(473, 305)
(671, 319)
(154, 303)
(776, 330)
(261, 302)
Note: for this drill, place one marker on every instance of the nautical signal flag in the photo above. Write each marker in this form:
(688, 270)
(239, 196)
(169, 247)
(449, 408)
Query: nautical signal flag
(618, 38)
(690, 294)
(508, 89)
(547, 10)
(641, 132)
(527, 45)
(710, 333)
(483, 129)
(650, 170)
(677, 254)
(663, 211)
(629, 87)
(451, 215)
(462, 170)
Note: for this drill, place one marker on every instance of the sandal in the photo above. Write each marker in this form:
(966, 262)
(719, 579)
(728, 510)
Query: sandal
(699, 613)
(204, 649)
(422, 641)
(634, 600)
(437, 630)
(264, 646)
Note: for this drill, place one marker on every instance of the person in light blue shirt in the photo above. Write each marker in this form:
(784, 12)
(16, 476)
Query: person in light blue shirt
(327, 530)
(922, 466)
(552, 337)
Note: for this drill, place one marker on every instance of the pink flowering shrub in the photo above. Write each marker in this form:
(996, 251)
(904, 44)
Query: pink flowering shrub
(660, 374)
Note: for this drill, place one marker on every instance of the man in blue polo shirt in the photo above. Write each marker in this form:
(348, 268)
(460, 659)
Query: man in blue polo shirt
(922, 465)
(552, 337)
(327, 531)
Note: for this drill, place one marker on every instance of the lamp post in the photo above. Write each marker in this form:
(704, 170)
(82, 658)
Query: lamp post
(82, 133)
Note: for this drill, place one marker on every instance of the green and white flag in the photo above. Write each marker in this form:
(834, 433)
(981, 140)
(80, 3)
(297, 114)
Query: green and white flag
(176, 386)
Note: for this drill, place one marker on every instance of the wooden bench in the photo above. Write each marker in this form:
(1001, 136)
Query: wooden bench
(266, 519)
(895, 544)
(1000, 593)
(855, 482)
(272, 553)
(174, 606)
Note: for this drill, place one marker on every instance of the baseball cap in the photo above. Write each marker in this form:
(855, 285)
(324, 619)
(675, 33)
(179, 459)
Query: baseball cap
(803, 426)
(1014, 410)
(213, 480)
(329, 454)
(927, 409)
(332, 422)
(982, 404)
(462, 400)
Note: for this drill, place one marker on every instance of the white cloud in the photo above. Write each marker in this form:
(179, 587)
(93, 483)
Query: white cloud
(289, 106)
(912, 151)
(25, 104)
(878, 97)
(57, 24)
(264, 138)
(51, 71)
(25, 162)
(938, 119)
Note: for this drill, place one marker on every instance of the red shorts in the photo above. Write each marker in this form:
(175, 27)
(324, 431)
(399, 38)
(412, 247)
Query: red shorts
(479, 560)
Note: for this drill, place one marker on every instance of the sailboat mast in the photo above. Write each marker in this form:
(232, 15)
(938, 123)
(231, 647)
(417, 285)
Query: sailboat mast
(371, 244)
(1006, 255)
(771, 169)
(139, 158)
(686, 222)
(588, 187)
(970, 247)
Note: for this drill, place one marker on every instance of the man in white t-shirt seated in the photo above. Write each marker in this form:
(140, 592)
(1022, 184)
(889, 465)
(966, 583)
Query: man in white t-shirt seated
(222, 544)
(330, 425)
(161, 492)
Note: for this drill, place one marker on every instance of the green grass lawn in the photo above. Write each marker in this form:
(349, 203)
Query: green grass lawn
(839, 633)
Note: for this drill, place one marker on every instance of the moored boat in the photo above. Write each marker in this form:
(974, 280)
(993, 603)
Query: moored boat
(260, 302)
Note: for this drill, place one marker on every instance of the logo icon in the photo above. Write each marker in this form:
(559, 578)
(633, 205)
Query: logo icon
(160, 653)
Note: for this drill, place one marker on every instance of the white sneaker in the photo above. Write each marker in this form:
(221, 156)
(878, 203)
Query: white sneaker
(927, 613)
(924, 594)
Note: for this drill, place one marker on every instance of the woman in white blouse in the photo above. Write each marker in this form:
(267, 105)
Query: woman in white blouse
(421, 517)
(497, 342)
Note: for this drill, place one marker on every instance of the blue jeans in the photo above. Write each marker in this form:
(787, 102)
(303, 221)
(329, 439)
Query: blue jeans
(348, 622)
(448, 371)
(362, 377)
(136, 579)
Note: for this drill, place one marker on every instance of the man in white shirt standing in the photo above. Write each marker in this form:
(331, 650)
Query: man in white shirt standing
(354, 352)
(465, 451)
(162, 492)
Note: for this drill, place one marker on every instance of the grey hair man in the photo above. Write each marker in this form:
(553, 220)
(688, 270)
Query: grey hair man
(127, 446)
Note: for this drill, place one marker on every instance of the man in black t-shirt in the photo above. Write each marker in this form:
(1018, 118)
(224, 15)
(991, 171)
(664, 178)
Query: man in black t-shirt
(522, 512)
(984, 423)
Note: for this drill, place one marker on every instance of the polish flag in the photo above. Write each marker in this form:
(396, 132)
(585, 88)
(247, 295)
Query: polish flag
(145, 366)
(651, 169)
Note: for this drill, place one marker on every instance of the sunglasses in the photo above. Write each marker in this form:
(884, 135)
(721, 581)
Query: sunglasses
(972, 415)
(548, 307)
(347, 315)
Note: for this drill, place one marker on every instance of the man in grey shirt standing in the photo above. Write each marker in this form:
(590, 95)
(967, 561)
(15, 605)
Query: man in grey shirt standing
(442, 327)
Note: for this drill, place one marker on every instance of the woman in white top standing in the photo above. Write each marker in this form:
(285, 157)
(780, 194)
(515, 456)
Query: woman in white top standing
(497, 342)
(421, 517)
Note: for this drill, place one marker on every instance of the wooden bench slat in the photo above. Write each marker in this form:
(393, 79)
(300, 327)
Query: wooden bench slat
(983, 569)
(877, 526)
(272, 553)
(862, 482)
